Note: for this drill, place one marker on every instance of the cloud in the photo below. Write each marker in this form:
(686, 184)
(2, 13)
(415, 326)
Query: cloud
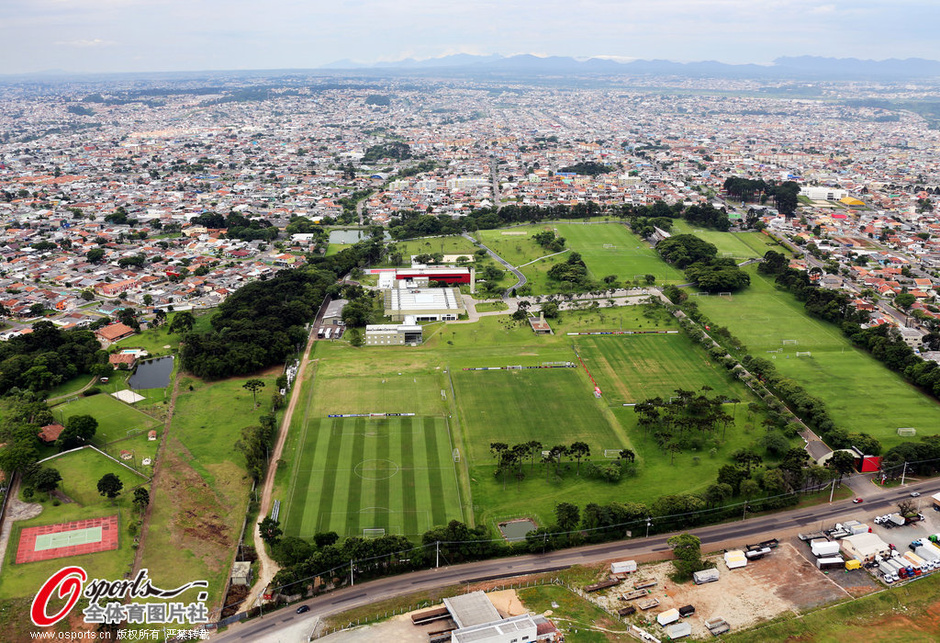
(84, 44)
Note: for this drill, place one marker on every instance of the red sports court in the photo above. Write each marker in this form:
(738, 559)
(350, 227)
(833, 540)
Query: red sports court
(67, 539)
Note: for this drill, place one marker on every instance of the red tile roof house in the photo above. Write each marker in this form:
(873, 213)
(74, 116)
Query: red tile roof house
(50, 433)
(128, 359)
(114, 332)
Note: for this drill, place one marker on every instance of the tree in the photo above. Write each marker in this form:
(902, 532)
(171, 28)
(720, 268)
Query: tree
(141, 499)
(270, 530)
(355, 337)
(843, 462)
(904, 300)
(45, 479)
(747, 459)
(79, 429)
(253, 385)
(567, 516)
(687, 550)
(579, 450)
(95, 255)
(110, 485)
(183, 322)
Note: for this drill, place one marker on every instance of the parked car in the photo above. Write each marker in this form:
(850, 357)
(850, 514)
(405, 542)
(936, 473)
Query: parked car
(857, 500)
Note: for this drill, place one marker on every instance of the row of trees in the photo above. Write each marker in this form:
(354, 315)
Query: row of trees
(511, 460)
(785, 195)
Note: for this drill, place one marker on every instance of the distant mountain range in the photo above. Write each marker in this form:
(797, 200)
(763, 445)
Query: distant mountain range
(795, 67)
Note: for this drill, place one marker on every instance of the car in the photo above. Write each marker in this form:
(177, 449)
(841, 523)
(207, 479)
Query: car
(857, 501)
(915, 494)
(303, 608)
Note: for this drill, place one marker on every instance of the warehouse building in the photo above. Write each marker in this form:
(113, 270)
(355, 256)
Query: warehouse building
(424, 304)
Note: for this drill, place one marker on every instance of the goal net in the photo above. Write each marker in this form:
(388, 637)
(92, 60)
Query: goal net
(907, 431)
(456, 455)
(373, 532)
(790, 342)
(726, 295)
(804, 354)
(612, 454)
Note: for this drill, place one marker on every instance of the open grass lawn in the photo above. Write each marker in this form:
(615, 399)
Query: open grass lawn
(70, 387)
(581, 620)
(382, 391)
(336, 248)
(626, 255)
(115, 418)
(515, 245)
(200, 501)
(395, 474)
(451, 245)
(553, 406)
(80, 474)
(632, 368)
(861, 393)
(740, 245)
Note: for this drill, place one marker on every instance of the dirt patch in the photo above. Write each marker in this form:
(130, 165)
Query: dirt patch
(782, 582)
(61, 497)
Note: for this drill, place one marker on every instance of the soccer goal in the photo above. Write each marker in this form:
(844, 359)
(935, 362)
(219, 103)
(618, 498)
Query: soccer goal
(456, 455)
(611, 454)
(701, 294)
(726, 295)
(804, 354)
(373, 532)
(609, 246)
(790, 342)
(907, 431)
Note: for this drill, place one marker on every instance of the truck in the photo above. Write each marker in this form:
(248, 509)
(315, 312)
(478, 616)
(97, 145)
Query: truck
(833, 562)
(927, 554)
(824, 548)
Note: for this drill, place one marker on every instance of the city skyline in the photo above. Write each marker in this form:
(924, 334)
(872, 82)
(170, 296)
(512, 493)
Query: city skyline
(104, 36)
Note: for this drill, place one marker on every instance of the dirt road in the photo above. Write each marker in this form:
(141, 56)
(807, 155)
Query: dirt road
(267, 568)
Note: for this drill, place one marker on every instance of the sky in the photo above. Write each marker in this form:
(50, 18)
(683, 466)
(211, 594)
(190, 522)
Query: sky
(193, 35)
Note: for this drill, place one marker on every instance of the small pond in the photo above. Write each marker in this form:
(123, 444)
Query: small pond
(351, 236)
(515, 530)
(152, 374)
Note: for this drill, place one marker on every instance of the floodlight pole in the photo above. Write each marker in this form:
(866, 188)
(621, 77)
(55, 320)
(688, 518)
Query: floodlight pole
(903, 473)
(832, 490)
(648, 523)
(352, 580)
(437, 561)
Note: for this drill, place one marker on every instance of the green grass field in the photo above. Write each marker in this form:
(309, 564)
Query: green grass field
(382, 390)
(627, 255)
(632, 368)
(451, 245)
(861, 394)
(553, 406)
(395, 474)
(740, 245)
(115, 418)
(80, 473)
(199, 504)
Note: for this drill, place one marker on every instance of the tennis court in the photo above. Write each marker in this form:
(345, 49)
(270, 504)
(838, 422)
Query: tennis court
(67, 539)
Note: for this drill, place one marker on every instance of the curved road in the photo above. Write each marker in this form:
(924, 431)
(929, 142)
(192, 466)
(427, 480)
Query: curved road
(715, 537)
(521, 279)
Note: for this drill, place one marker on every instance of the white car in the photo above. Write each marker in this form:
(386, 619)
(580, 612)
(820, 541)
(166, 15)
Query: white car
(915, 494)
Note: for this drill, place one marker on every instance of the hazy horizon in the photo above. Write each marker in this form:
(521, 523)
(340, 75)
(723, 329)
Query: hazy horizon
(114, 36)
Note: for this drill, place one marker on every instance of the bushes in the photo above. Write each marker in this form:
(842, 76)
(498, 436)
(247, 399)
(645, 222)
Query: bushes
(93, 390)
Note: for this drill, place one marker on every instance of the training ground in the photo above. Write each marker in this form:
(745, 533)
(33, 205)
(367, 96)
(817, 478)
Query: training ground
(353, 474)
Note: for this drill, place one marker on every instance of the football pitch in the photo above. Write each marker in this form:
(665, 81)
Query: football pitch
(860, 393)
(632, 368)
(357, 474)
(611, 249)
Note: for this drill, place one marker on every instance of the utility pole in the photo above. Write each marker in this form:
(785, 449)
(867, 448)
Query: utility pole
(903, 473)
(352, 580)
(744, 513)
(832, 491)
(437, 561)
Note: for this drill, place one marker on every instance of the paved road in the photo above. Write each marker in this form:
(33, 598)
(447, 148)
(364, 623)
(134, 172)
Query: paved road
(520, 278)
(715, 537)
